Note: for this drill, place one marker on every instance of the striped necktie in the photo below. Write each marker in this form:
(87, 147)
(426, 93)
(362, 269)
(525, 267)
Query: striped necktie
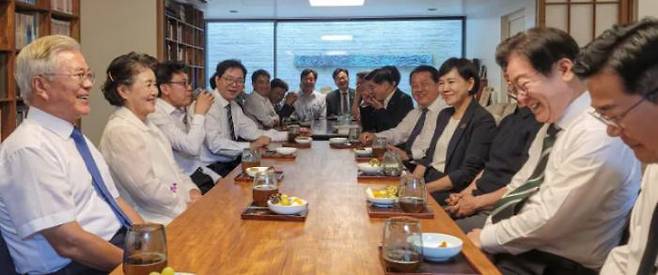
(229, 117)
(417, 129)
(511, 203)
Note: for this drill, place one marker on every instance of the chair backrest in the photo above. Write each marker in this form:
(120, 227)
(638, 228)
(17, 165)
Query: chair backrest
(6, 263)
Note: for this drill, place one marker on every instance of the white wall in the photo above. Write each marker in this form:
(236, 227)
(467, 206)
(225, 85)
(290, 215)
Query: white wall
(483, 32)
(647, 8)
(109, 29)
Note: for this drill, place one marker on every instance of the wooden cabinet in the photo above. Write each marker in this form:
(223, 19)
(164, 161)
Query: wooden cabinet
(22, 21)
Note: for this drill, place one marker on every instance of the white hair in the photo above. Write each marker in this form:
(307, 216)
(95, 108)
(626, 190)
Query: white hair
(38, 58)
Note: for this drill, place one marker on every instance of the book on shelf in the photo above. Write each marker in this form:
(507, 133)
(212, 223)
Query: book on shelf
(65, 6)
(26, 28)
(3, 76)
(60, 27)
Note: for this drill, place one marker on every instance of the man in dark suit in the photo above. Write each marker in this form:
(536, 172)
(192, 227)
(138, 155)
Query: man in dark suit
(385, 104)
(339, 101)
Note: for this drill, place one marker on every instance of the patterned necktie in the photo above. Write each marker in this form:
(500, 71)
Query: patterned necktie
(417, 128)
(343, 103)
(511, 203)
(648, 263)
(229, 117)
(96, 177)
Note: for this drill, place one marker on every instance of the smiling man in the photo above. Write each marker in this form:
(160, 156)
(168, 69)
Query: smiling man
(227, 127)
(571, 212)
(59, 208)
(622, 70)
(339, 101)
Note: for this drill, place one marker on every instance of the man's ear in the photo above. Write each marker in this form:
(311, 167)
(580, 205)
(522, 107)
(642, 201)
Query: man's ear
(564, 66)
(40, 88)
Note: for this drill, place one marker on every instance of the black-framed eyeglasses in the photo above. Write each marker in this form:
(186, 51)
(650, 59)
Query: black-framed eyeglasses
(615, 121)
(81, 77)
(236, 81)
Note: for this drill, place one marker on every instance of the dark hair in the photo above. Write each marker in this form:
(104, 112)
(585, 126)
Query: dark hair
(305, 72)
(425, 68)
(339, 70)
(394, 72)
(381, 75)
(166, 70)
(541, 46)
(121, 71)
(259, 73)
(278, 83)
(213, 84)
(631, 51)
(466, 70)
(362, 74)
(228, 64)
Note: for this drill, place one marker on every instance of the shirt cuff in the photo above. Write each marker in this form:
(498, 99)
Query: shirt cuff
(198, 119)
(488, 240)
(46, 222)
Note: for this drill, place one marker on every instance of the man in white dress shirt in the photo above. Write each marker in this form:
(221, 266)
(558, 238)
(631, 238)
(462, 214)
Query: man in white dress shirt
(56, 214)
(568, 222)
(258, 105)
(227, 127)
(417, 127)
(310, 104)
(622, 70)
(185, 133)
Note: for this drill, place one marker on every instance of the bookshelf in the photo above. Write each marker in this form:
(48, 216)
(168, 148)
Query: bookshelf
(22, 21)
(182, 37)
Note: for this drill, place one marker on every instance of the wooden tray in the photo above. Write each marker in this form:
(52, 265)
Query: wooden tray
(458, 265)
(274, 155)
(297, 145)
(380, 212)
(345, 145)
(361, 177)
(253, 212)
(243, 177)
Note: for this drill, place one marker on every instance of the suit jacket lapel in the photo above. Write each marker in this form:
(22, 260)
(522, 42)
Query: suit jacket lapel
(461, 128)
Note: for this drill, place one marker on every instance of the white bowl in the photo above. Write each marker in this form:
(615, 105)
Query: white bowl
(286, 150)
(287, 210)
(432, 250)
(379, 201)
(365, 152)
(369, 169)
(337, 140)
(303, 140)
(253, 171)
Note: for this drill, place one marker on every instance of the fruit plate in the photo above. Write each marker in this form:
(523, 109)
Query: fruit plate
(386, 212)
(253, 212)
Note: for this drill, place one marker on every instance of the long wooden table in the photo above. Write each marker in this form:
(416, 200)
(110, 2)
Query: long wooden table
(338, 237)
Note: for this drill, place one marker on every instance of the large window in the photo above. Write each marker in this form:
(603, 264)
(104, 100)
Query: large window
(286, 47)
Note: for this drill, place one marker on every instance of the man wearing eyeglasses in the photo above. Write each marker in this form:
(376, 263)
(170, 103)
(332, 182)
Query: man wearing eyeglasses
(571, 212)
(621, 67)
(60, 211)
(228, 129)
(185, 133)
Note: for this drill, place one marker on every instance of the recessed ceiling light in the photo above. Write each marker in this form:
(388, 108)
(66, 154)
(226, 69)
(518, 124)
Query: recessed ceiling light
(431, 9)
(233, 11)
(337, 37)
(336, 3)
(335, 53)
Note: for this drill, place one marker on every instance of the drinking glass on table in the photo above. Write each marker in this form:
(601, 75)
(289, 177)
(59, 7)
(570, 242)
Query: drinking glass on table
(265, 184)
(145, 249)
(412, 194)
(402, 245)
(379, 147)
(354, 133)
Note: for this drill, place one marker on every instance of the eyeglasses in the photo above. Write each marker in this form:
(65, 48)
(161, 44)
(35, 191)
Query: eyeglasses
(81, 77)
(184, 83)
(236, 81)
(616, 120)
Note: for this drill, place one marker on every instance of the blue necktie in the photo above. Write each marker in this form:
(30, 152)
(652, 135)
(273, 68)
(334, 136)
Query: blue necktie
(97, 180)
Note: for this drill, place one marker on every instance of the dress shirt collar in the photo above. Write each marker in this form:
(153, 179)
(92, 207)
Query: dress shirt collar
(436, 105)
(388, 98)
(165, 106)
(304, 95)
(575, 108)
(131, 118)
(344, 91)
(219, 99)
(259, 97)
(55, 124)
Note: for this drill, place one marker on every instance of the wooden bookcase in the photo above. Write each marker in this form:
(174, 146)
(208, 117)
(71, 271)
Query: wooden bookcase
(11, 103)
(182, 37)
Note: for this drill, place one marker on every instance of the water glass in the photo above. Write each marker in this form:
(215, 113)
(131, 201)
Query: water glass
(402, 244)
(145, 249)
(413, 194)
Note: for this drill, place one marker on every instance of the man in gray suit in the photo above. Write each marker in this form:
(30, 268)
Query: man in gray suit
(339, 101)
